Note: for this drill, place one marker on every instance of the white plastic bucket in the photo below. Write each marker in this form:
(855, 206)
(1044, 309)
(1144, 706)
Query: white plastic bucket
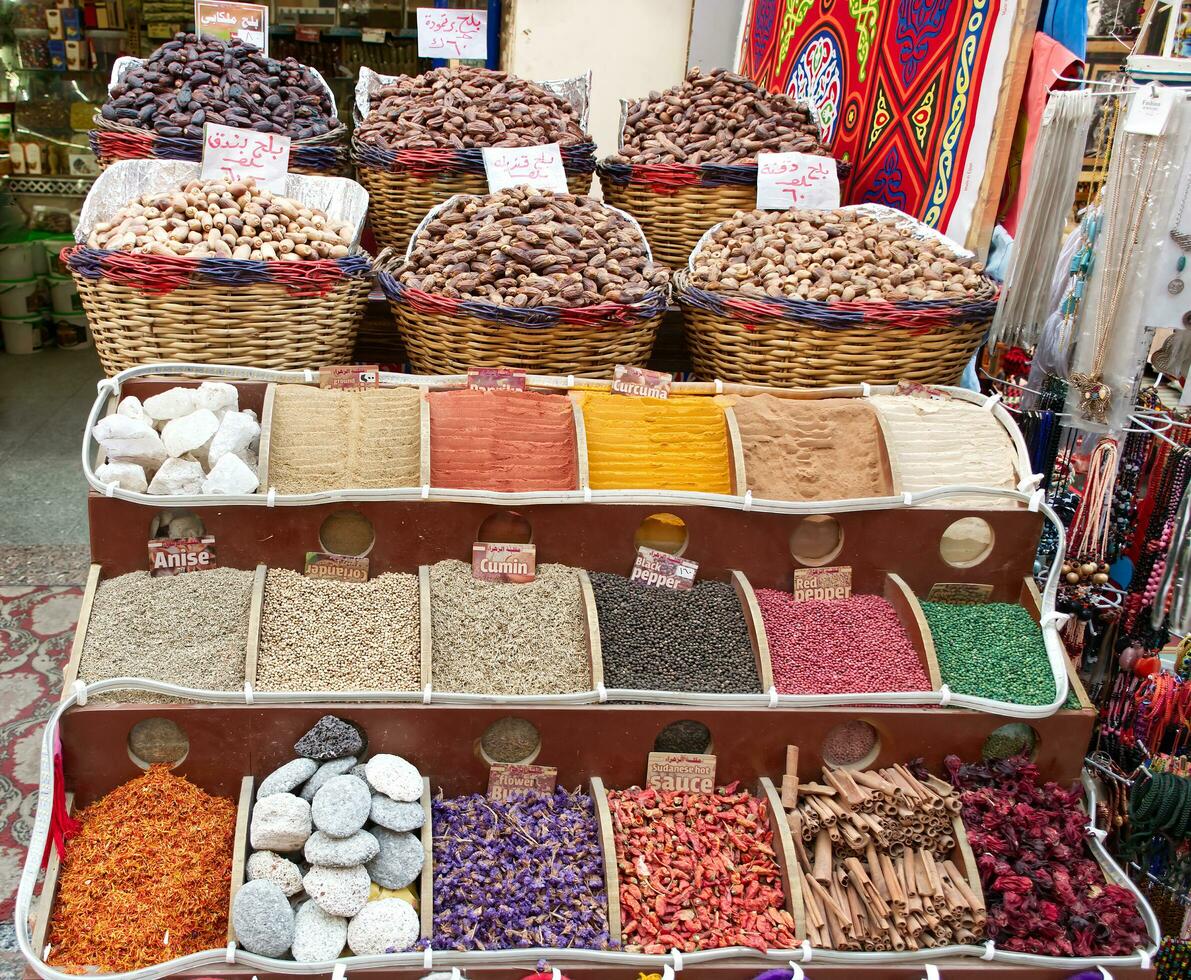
(16, 261)
(41, 262)
(51, 248)
(71, 331)
(22, 298)
(22, 335)
(64, 296)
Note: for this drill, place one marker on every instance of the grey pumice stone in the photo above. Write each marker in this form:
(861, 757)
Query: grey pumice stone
(287, 778)
(336, 767)
(318, 935)
(341, 806)
(399, 861)
(393, 815)
(341, 852)
(262, 918)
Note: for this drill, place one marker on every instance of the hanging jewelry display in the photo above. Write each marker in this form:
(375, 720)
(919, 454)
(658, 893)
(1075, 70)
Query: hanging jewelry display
(1058, 157)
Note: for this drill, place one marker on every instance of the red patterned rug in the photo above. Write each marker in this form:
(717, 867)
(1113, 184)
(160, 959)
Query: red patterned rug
(36, 628)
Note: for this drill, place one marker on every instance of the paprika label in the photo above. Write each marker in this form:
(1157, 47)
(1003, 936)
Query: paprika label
(823, 584)
(686, 772)
(506, 781)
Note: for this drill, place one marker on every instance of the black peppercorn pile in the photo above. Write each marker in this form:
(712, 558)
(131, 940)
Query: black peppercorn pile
(191, 81)
(663, 640)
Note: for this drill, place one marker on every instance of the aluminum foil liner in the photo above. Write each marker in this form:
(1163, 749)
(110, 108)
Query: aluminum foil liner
(127, 180)
(126, 62)
(576, 91)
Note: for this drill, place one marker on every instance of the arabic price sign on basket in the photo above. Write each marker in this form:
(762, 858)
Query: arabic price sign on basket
(445, 33)
(796, 180)
(225, 20)
(539, 167)
(234, 154)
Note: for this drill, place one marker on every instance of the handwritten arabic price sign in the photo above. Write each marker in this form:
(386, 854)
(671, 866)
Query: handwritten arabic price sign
(796, 180)
(446, 33)
(225, 20)
(539, 167)
(234, 154)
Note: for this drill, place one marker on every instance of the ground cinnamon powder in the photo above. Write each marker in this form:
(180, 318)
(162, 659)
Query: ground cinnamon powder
(147, 878)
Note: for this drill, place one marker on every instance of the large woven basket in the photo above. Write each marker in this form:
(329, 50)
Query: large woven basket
(676, 202)
(403, 185)
(326, 155)
(449, 336)
(147, 309)
(810, 344)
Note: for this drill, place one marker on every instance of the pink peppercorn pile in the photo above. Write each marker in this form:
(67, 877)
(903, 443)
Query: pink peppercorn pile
(838, 646)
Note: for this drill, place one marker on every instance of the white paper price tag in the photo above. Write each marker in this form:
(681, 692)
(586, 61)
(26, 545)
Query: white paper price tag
(539, 167)
(796, 180)
(233, 154)
(1149, 109)
(444, 33)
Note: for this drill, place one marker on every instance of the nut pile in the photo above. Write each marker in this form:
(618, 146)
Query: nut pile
(190, 630)
(335, 853)
(833, 256)
(508, 638)
(994, 650)
(874, 858)
(181, 441)
(465, 108)
(323, 635)
(522, 247)
(720, 117)
(191, 81)
(664, 640)
(838, 646)
(520, 873)
(224, 220)
(697, 871)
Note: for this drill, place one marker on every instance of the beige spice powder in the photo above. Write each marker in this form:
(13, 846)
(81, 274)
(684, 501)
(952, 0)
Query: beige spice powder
(811, 449)
(323, 439)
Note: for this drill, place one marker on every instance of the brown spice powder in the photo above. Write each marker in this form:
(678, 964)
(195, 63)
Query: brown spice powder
(811, 449)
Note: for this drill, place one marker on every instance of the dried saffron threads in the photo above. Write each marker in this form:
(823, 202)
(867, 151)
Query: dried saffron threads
(146, 879)
(1045, 892)
(697, 871)
(518, 874)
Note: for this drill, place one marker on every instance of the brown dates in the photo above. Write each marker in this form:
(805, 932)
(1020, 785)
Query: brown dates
(521, 247)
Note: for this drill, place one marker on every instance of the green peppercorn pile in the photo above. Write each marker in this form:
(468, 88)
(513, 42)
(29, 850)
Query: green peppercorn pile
(993, 651)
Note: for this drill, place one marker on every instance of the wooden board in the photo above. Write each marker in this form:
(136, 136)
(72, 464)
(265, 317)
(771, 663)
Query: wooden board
(426, 879)
(608, 849)
(909, 613)
(591, 630)
(736, 468)
(892, 465)
(240, 848)
(1031, 599)
(756, 627)
(580, 442)
(787, 860)
(71, 673)
(266, 438)
(426, 625)
(424, 436)
(49, 891)
(255, 609)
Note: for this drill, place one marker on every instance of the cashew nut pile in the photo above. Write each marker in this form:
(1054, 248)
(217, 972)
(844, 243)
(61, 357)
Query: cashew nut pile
(222, 219)
(191, 81)
(521, 247)
(468, 107)
(721, 118)
(833, 256)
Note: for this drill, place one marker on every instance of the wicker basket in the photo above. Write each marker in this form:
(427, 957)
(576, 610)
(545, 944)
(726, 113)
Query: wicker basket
(326, 155)
(809, 344)
(147, 309)
(402, 186)
(449, 336)
(676, 203)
